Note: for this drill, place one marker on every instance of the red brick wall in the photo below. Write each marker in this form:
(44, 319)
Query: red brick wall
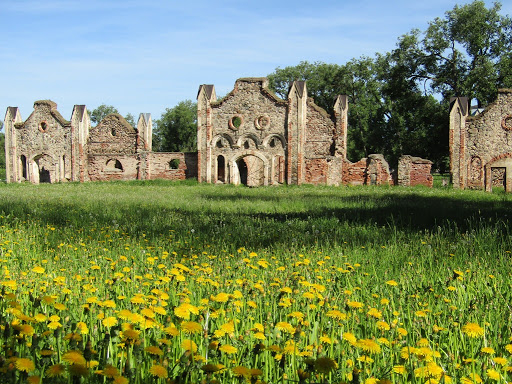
(316, 171)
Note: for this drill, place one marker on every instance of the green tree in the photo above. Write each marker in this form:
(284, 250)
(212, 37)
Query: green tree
(101, 112)
(176, 130)
(466, 53)
(130, 119)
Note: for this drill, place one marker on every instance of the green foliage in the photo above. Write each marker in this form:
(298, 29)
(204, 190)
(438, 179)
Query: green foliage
(176, 130)
(101, 112)
(394, 103)
(131, 120)
(466, 53)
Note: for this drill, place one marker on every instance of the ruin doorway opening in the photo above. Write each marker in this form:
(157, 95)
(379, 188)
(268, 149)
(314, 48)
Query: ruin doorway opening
(251, 171)
(23, 160)
(221, 169)
(44, 175)
(499, 178)
(242, 171)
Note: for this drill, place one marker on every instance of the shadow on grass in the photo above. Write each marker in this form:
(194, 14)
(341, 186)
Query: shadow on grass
(288, 218)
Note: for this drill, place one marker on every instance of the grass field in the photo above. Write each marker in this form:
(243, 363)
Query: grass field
(147, 282)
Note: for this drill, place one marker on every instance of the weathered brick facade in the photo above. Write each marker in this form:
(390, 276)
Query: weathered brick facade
(48, 148)
(481, 145)
(253, 137)
(249, 137)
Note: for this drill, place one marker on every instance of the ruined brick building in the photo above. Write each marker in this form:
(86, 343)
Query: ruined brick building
(248, 137)
(48, 148)
(481, 145)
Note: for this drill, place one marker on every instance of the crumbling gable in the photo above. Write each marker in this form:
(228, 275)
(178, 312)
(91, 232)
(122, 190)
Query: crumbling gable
(255, 138)
(481, 145)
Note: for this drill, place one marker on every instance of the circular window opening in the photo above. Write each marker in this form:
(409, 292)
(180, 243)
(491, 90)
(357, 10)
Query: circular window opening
(236, 122)
(262, 122)
(506, 123)
(43, 126)
(113, 132)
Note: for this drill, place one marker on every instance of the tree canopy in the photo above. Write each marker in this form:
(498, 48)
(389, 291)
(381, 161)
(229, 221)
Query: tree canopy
(176, 130)
(399, 99)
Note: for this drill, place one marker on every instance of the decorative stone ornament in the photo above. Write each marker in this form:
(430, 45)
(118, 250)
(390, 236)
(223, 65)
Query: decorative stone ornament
(236, 122)
(262, 122)
(506, 123)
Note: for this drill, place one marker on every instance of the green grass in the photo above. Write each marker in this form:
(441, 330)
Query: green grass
(448, 250)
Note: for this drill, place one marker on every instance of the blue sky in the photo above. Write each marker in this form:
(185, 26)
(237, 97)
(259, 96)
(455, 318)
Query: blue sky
(145, 56)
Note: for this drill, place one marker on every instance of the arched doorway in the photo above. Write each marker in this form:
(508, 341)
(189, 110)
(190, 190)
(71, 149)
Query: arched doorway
(251, 170)
(221, 169)
(242, 171)
(43, 169)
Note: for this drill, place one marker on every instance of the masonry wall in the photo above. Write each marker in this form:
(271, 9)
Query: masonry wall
(112, 135)
(481, 146)
(172, 166)
(414, 171)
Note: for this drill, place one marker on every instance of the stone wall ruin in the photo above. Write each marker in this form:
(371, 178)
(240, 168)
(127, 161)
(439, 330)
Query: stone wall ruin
(481, 145)
(249, 137)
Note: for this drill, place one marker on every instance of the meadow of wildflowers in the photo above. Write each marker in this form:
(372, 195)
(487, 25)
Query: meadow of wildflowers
(160, 282)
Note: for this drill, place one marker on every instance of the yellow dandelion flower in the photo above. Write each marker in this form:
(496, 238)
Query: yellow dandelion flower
(211, 368)
(488, 351)
(131, 334)
(365, 359)
(472, 379)
(146, 312)
(38, 269)
(473, 330)
(374, 312)
(25, 365)
(189, 345)
(355, 304)
(171, 331)
(383, 326)
(40, 318)
(110, 371)
(74, 357)
(259, 336)
(393, 283)
(78, 370)
(154, 350)
(350, 338)
(241, 371)
(33, 379)
(400, 370)
(324, 365)
(493, 374)
(508, 347)
(26, 330)
(82, 328)
(228, 349)
(191, 327)
(60, 307)
(286, 327)
(121, 380)
(368, 345)
(500, 361)
(158, 371)
(221, 297)
(372, 380)
(109, 321)
(335, 314)
(55, 370)
(54, 325)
